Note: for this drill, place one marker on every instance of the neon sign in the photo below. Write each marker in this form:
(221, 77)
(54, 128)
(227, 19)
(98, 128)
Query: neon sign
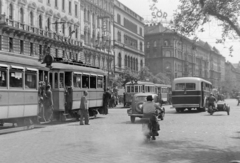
(156, 13)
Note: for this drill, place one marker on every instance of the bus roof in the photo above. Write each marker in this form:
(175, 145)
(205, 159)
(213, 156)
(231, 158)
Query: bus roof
(140, 83)
(190, 79)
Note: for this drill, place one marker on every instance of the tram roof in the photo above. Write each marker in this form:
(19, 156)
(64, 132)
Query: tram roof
(140, 83)
(145, 94)
(68, 67)
(190, 79)
(163, 85)
(23, 61)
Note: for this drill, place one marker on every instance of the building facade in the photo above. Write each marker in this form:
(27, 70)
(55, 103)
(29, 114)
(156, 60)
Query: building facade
(97, 33)
(177, 56)
(129, 39)
(26, 26)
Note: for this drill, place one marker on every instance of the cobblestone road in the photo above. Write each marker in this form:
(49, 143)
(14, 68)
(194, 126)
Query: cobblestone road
(188, 137)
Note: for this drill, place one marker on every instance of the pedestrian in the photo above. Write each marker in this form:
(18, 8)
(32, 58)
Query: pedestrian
(48, 103)
(41, 92)
(84, 109)
(106, 99)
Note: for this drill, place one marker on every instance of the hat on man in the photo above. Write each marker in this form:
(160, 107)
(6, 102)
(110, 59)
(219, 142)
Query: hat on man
(149, 98)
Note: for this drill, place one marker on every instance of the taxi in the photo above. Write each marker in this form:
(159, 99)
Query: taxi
(136, 108)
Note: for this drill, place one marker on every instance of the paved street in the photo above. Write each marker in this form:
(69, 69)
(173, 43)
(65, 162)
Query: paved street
(188, 137)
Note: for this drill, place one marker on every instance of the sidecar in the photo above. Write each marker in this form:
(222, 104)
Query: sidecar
(220, 106)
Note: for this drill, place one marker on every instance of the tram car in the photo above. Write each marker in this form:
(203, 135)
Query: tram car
(19, 78)
(164, 93)
(132, 88)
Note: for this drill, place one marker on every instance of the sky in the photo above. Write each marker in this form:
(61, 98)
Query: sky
(212, 30)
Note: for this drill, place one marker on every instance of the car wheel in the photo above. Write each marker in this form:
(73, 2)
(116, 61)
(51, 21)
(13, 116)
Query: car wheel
(132, 119)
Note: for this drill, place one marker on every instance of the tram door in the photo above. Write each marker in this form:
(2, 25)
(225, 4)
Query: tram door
(69, 91)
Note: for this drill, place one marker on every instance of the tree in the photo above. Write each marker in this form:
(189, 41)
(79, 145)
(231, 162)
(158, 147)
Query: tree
(164, 78)
(193, 14)
(128, 76)
(145, 74)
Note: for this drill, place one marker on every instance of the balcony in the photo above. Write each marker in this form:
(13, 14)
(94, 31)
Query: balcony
(24, 29)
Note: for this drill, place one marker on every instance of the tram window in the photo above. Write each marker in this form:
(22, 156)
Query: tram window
(61, 83)
(132, 88)
(50, 79)
(190, 86)
(180, 86)
(148, 89)
(128, 89)
(99, 82)
(136, 88)
(93, 81)
(85, 81)
(56, 80)
(77, 80)
(31, 79)
(3, 77)
(16, 78)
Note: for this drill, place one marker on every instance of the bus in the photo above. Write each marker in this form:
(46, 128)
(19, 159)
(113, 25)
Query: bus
(189, 93)
(132, 88)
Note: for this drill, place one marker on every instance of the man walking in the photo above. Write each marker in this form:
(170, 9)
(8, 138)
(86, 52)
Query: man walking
(48, 103)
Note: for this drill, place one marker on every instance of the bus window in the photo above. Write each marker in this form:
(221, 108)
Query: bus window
(136, 88)
(132, 88)
(85, 81)
(3, 77)
(77, 80)
(190, 86)
(99, 82)
(16, 78)
(93, 81)
(61, 83)
(56, 81)
(180, 86)
(31, 79)
(128, 89)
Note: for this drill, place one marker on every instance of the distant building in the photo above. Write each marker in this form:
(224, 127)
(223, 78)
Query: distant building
(129, 39)
(177, 56)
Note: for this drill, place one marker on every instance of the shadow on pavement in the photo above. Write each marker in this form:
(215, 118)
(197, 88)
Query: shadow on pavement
(187, 151)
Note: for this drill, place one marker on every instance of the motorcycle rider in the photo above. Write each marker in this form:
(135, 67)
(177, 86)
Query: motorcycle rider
(149, 111)
(211, 101)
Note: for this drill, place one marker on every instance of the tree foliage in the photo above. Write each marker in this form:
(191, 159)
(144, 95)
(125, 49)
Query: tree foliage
(191, 15)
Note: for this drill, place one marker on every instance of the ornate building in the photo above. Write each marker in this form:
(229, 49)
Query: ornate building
(129, 39)
(177, 56)
(28, 25)
(97, 33)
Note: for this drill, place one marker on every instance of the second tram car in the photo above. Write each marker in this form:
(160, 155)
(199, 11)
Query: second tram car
(190, 92)
(163, 92)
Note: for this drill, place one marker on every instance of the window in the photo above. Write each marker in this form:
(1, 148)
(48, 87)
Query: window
(185, 86)
(16, 78)
(56, 3)
(56, 26)
(3, 77)
(31, 18)
(40, 21)
(165, 43)
(76, 10)
(10, 44)
(63, 29)
(85, 81)
(56, 53)
(48, 24)
(119, 60)
(63, 5)
(77, 80)
(118, 19)
(190, 86)
(132, 88)
(99, 82)
(93, 81)
(11, 12)
(31, 79)
(70, 7)
(148, 44)
(140, 31)
(21, 47)
(128, 89)
(21, 15)
(31, 48)
(55, 80)
(180, 86)
(136, 88)
(63, 54)
(141, 46)
(40, 49)
(76, 32)
(155, 43)
(119, 36)
(61, 83)
(70, 30)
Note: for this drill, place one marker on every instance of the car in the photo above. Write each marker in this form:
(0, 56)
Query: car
(136, 109)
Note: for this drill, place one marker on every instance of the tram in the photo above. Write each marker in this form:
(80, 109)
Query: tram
(190, 92)
(19, 78)
(163, 92)
(133, 88)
